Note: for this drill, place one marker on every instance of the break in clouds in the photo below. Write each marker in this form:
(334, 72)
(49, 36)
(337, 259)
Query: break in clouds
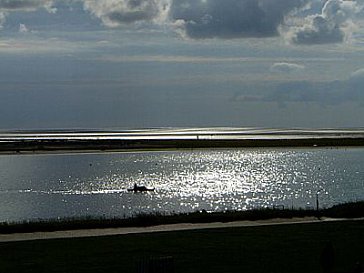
(7, 6)
(323, 93)
(295, 20)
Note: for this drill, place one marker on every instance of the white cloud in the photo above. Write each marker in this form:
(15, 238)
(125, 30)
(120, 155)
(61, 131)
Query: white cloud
(357, 76)
(286, 68)
(23, 28)
(335, 24)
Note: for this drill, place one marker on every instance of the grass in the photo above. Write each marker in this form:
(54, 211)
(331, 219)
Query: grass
(283, 248)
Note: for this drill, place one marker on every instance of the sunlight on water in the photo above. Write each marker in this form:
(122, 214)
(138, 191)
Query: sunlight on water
(96, 184)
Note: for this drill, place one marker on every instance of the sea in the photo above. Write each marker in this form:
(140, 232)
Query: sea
(65, 185)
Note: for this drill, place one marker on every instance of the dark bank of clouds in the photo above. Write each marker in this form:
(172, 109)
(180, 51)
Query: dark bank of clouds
(200, 19)
(298, 21)
(232, 18)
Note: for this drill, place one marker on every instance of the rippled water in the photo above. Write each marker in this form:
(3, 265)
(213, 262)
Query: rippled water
(51, 186)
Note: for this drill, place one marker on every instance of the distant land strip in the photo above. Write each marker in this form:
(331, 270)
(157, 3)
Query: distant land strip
(48, 143)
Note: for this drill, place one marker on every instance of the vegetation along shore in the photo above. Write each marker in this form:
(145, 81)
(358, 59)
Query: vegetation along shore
(347, 210)
(272, 248)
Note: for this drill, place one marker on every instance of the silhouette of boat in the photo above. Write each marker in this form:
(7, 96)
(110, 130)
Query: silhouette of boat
(137, 188)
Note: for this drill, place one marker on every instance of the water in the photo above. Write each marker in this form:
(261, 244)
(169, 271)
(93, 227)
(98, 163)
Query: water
(73, 185)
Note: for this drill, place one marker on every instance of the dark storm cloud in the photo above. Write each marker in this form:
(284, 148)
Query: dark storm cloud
(232, 18)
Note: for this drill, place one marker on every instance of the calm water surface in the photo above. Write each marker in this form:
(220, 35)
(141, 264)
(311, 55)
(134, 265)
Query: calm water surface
(52, 186)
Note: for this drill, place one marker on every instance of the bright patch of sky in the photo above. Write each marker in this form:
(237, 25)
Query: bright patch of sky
(155, 63)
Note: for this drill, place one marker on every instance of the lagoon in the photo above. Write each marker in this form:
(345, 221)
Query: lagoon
(51, 186)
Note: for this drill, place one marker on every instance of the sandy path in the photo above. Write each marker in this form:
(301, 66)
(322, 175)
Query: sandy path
(161, 228)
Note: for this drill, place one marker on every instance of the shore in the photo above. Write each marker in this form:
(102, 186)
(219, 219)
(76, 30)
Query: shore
(203, 218)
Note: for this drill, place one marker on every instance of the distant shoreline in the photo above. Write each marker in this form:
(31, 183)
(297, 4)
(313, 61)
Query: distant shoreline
(93, 141)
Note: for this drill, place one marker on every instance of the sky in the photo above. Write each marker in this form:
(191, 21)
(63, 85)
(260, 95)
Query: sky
(116, 64)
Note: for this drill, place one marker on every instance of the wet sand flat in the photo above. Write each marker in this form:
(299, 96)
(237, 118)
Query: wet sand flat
(80, 141)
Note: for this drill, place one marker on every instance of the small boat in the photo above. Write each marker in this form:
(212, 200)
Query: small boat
(137, 188)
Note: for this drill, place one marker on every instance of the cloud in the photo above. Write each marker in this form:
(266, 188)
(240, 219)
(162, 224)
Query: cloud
(357, 75)
(179, 59)
(114, 13)
(286, 68)
(231, 18)
(299, 21)
(23, 28)
(26, 5)
(334, 24)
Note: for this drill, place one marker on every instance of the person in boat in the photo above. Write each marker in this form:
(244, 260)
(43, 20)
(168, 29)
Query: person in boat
(137, 188)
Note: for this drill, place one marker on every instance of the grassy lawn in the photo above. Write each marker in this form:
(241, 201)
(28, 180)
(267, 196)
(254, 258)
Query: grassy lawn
(284, 248)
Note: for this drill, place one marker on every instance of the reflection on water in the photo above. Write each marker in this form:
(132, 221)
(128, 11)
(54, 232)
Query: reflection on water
(51, 186)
